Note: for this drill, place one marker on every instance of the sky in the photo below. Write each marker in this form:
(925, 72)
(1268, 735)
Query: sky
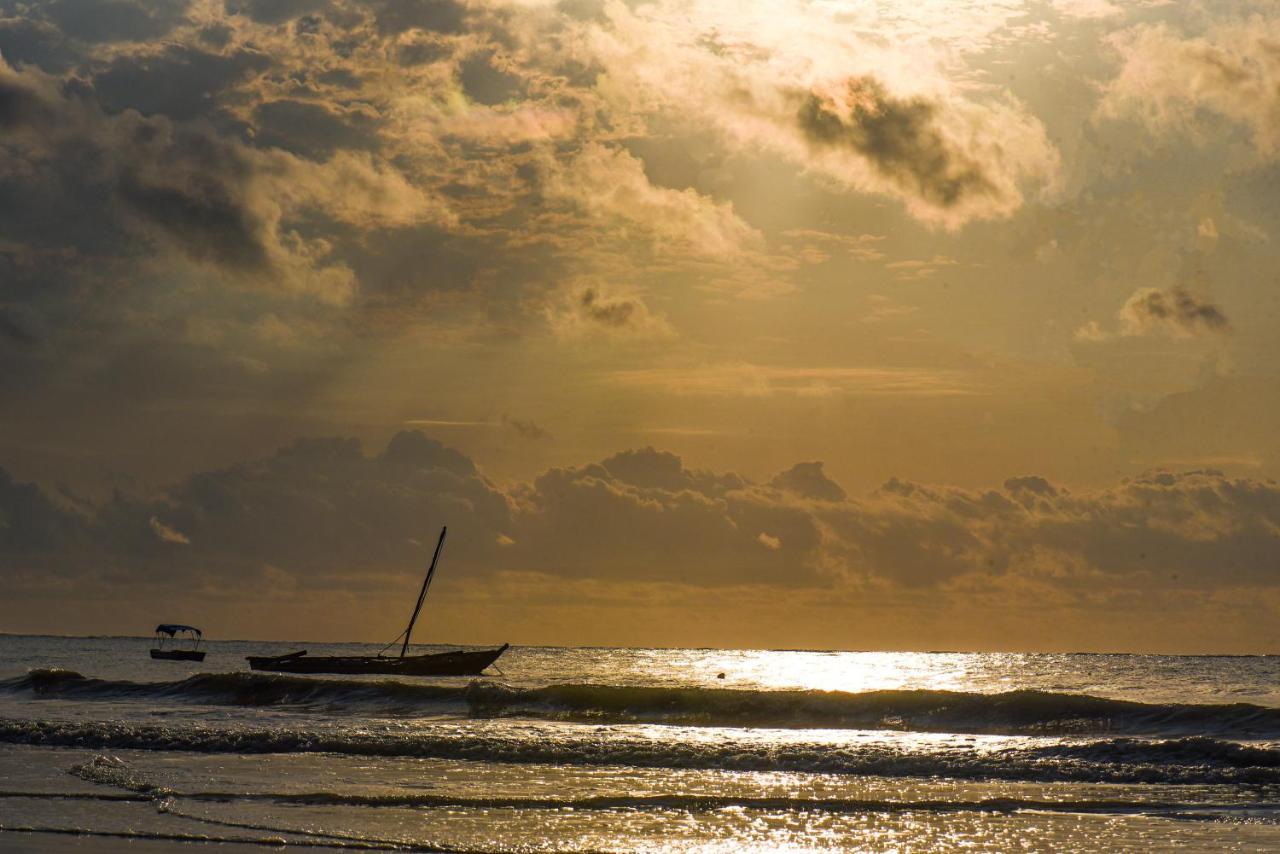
(859, 325)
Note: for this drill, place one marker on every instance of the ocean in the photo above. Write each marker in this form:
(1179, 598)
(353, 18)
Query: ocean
(572, 749)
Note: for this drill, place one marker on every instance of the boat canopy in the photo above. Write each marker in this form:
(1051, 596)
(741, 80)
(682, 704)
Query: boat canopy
(172, 629)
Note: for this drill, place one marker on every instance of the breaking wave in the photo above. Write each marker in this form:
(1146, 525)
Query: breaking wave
(684, 803)
(1013, 712)
(1198, 760)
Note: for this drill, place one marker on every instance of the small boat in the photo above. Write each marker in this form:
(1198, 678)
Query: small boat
(453, 663)
(167, 632)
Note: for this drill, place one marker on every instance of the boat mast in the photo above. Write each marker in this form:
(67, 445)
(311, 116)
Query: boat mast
(422, 596)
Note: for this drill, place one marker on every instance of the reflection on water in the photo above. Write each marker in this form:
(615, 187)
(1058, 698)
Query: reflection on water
(1143, 678)
(646, 749)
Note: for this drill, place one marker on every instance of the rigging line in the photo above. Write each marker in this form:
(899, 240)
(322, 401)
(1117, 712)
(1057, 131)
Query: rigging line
(426, 582)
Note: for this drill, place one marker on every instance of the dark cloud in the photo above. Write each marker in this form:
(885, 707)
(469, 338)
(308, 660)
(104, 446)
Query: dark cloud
(23, 106)
(649, 468)
(641, 514)
(206, 218)
(30, 522)
(1205, 528)
(311, 130)
(525, 429)
(1176, 311)
(388, 262)
(422, 52)
(275, 11)
(1032, 484)
(341, 77)
(34, 42)
(1031, 492)
(329, 515)
(97, 186)
(616, 313)
(180, 82)
(411, 449)
(320, 508)
(216, 35)
(899, 137)
(397, 16)
(146, 258)
(116, 20)
(486, 84)
(808, 480)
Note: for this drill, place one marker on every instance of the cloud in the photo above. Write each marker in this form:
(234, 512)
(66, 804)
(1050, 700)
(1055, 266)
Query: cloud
(917, 270)
(610, 183)
(1090, 331)
(593, 310)
(1175, 312)
(899, 137)
(166, 534)
(1174, 83)
(1172, 312)
(398, 16)
(615, 313)
(485, 82)
(124, 185)
(817, 247)
(177, 81)
(525, 429)
(809, 481)
(821, 94)
(1199, 528)
(275, 11)
(643, 514)
(312, 130)
(173, 174)
(31, 523)
(115, 20)
(327, 515)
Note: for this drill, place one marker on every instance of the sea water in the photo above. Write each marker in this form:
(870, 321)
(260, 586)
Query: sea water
(641, 749)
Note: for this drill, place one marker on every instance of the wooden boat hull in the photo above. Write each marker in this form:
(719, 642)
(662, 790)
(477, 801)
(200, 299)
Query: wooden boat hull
(457, 663)
(178, 654)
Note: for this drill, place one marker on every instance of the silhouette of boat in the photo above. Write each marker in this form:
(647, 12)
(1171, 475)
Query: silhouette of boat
(454, 663)
(166, 632)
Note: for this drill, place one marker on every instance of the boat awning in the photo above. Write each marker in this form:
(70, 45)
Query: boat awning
(172, 629)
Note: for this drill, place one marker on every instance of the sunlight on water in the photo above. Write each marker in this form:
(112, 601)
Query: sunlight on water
(648, 750)
(836, 671)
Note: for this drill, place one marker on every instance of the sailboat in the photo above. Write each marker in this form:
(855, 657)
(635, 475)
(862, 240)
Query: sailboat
(456, 663)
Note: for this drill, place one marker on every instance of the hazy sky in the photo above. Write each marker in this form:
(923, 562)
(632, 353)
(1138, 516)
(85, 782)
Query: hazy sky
(287, 284)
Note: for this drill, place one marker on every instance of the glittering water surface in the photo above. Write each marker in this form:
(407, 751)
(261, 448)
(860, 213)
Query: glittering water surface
(604, 749)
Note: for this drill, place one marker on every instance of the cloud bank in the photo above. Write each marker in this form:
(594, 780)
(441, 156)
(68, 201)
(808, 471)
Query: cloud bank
(326, 515)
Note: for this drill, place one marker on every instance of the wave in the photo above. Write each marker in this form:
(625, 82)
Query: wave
(244, 689)
(681, 803)
(1009, 713)
(1197, 760)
